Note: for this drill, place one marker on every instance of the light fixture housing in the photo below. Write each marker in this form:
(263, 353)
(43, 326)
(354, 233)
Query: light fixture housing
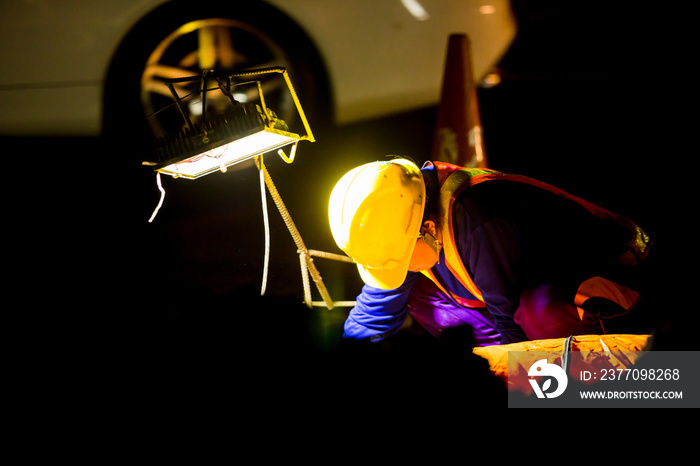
(241, 132)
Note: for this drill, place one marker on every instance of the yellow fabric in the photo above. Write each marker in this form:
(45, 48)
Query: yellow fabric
(617, 351)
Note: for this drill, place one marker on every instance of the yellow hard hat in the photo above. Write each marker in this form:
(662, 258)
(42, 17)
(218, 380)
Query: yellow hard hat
(375, 214)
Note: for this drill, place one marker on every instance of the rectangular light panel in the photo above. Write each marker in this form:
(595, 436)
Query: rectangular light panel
(239, 150)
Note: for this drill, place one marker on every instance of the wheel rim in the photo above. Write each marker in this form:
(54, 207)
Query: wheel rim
(220, 44)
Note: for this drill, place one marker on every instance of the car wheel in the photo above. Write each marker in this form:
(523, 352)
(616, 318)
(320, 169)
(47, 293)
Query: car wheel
(174, 42)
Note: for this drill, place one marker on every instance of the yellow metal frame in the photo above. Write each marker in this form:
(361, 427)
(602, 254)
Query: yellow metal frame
(308, 268)
(268, 126)
(283, 71)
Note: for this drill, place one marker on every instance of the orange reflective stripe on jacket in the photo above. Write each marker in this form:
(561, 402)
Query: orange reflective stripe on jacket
(453, 180)
(599, 287)
(469, 303)
(638, 246)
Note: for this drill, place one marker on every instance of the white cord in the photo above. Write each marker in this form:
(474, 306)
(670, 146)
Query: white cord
(292, 154)
(267, 227)
(162, 196)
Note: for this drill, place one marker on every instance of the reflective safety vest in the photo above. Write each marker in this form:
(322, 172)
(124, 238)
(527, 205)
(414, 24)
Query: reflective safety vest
(453, 180)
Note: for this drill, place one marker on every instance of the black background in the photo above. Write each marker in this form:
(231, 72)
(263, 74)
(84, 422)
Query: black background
(593, 101)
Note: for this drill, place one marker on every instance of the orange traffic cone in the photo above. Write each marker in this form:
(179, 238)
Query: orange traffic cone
(458, 136)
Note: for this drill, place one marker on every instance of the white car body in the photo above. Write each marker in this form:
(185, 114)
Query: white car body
(380, 57)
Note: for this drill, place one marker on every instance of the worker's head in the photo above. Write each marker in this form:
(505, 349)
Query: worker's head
(375, 213)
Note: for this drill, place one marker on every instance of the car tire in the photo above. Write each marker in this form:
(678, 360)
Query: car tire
(128, 121)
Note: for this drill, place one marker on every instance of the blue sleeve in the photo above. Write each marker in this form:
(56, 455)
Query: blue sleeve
(378, 313)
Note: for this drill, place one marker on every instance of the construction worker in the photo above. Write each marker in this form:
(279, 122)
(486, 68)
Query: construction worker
(446, 246)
